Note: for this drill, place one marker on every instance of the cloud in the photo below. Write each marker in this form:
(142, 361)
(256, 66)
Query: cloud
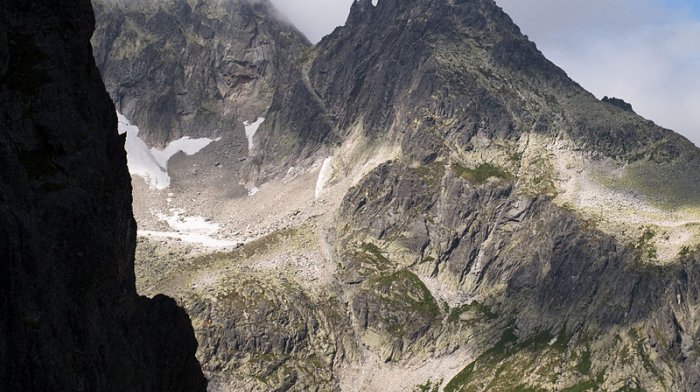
(554, 19)
(644, 51)
(315, 18)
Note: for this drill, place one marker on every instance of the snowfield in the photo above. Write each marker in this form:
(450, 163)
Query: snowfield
(151, 163)
(251, 129)
(189, 229)
(323, 176)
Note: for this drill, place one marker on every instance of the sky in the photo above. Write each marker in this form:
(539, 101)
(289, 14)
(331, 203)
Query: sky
(646, 52)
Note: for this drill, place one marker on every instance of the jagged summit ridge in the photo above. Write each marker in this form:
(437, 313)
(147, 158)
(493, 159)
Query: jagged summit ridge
(397, 64)
(408, 52)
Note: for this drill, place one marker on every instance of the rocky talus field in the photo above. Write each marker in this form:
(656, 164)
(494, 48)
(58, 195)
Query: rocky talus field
(419, 202)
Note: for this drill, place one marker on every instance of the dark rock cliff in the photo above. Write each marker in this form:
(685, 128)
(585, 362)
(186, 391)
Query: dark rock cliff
(70, 318)
(620, 103)
(535, 266)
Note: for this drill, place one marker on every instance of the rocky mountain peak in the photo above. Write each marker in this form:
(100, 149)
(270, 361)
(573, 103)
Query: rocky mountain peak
(359, 10)
(458, 57)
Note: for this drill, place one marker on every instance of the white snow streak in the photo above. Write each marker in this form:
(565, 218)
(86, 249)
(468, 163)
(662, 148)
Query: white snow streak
(197, 239)
(323, 176)
(186, 144)
(191, 224)
(251, 129)
(140, 160)
(151, 163)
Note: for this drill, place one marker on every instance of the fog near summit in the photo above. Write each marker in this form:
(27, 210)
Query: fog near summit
(315, 18)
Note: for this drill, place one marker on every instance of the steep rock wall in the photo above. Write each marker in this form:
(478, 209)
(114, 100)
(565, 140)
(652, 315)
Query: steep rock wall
(70, 318)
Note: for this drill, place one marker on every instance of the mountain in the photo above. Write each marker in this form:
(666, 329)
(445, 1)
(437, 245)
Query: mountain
(433, 205)
(70, 317)
(192, 68)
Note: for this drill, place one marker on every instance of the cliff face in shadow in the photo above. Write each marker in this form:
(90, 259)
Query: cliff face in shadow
(70, 318)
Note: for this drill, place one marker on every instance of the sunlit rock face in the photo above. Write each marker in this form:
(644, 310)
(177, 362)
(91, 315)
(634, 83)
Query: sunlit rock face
(430, 203)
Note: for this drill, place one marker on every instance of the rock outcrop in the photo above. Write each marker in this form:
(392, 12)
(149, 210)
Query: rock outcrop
(620, 103)
(532, 270)
(474, 201)
(482, 119)
(70, 318)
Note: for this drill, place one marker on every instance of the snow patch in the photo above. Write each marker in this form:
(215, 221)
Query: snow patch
(187, 145)
(189, 238)
(251, 129)
(140, 160)
(151, 163)
(190, 224)
(190, 229)
(323, 176)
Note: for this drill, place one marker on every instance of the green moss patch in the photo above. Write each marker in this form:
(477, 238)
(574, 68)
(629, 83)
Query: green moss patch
(588, 385)
(401, 305)
(474, 307)
(646, 244)
(432, 173)
(405, 289)
(584, 364)
(481, 173)
(428, 386)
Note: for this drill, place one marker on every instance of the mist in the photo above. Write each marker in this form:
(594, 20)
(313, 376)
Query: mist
(315, 18)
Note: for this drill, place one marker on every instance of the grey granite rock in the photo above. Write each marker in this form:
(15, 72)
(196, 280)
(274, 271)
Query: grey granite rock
(180, 68)
(620, 103)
